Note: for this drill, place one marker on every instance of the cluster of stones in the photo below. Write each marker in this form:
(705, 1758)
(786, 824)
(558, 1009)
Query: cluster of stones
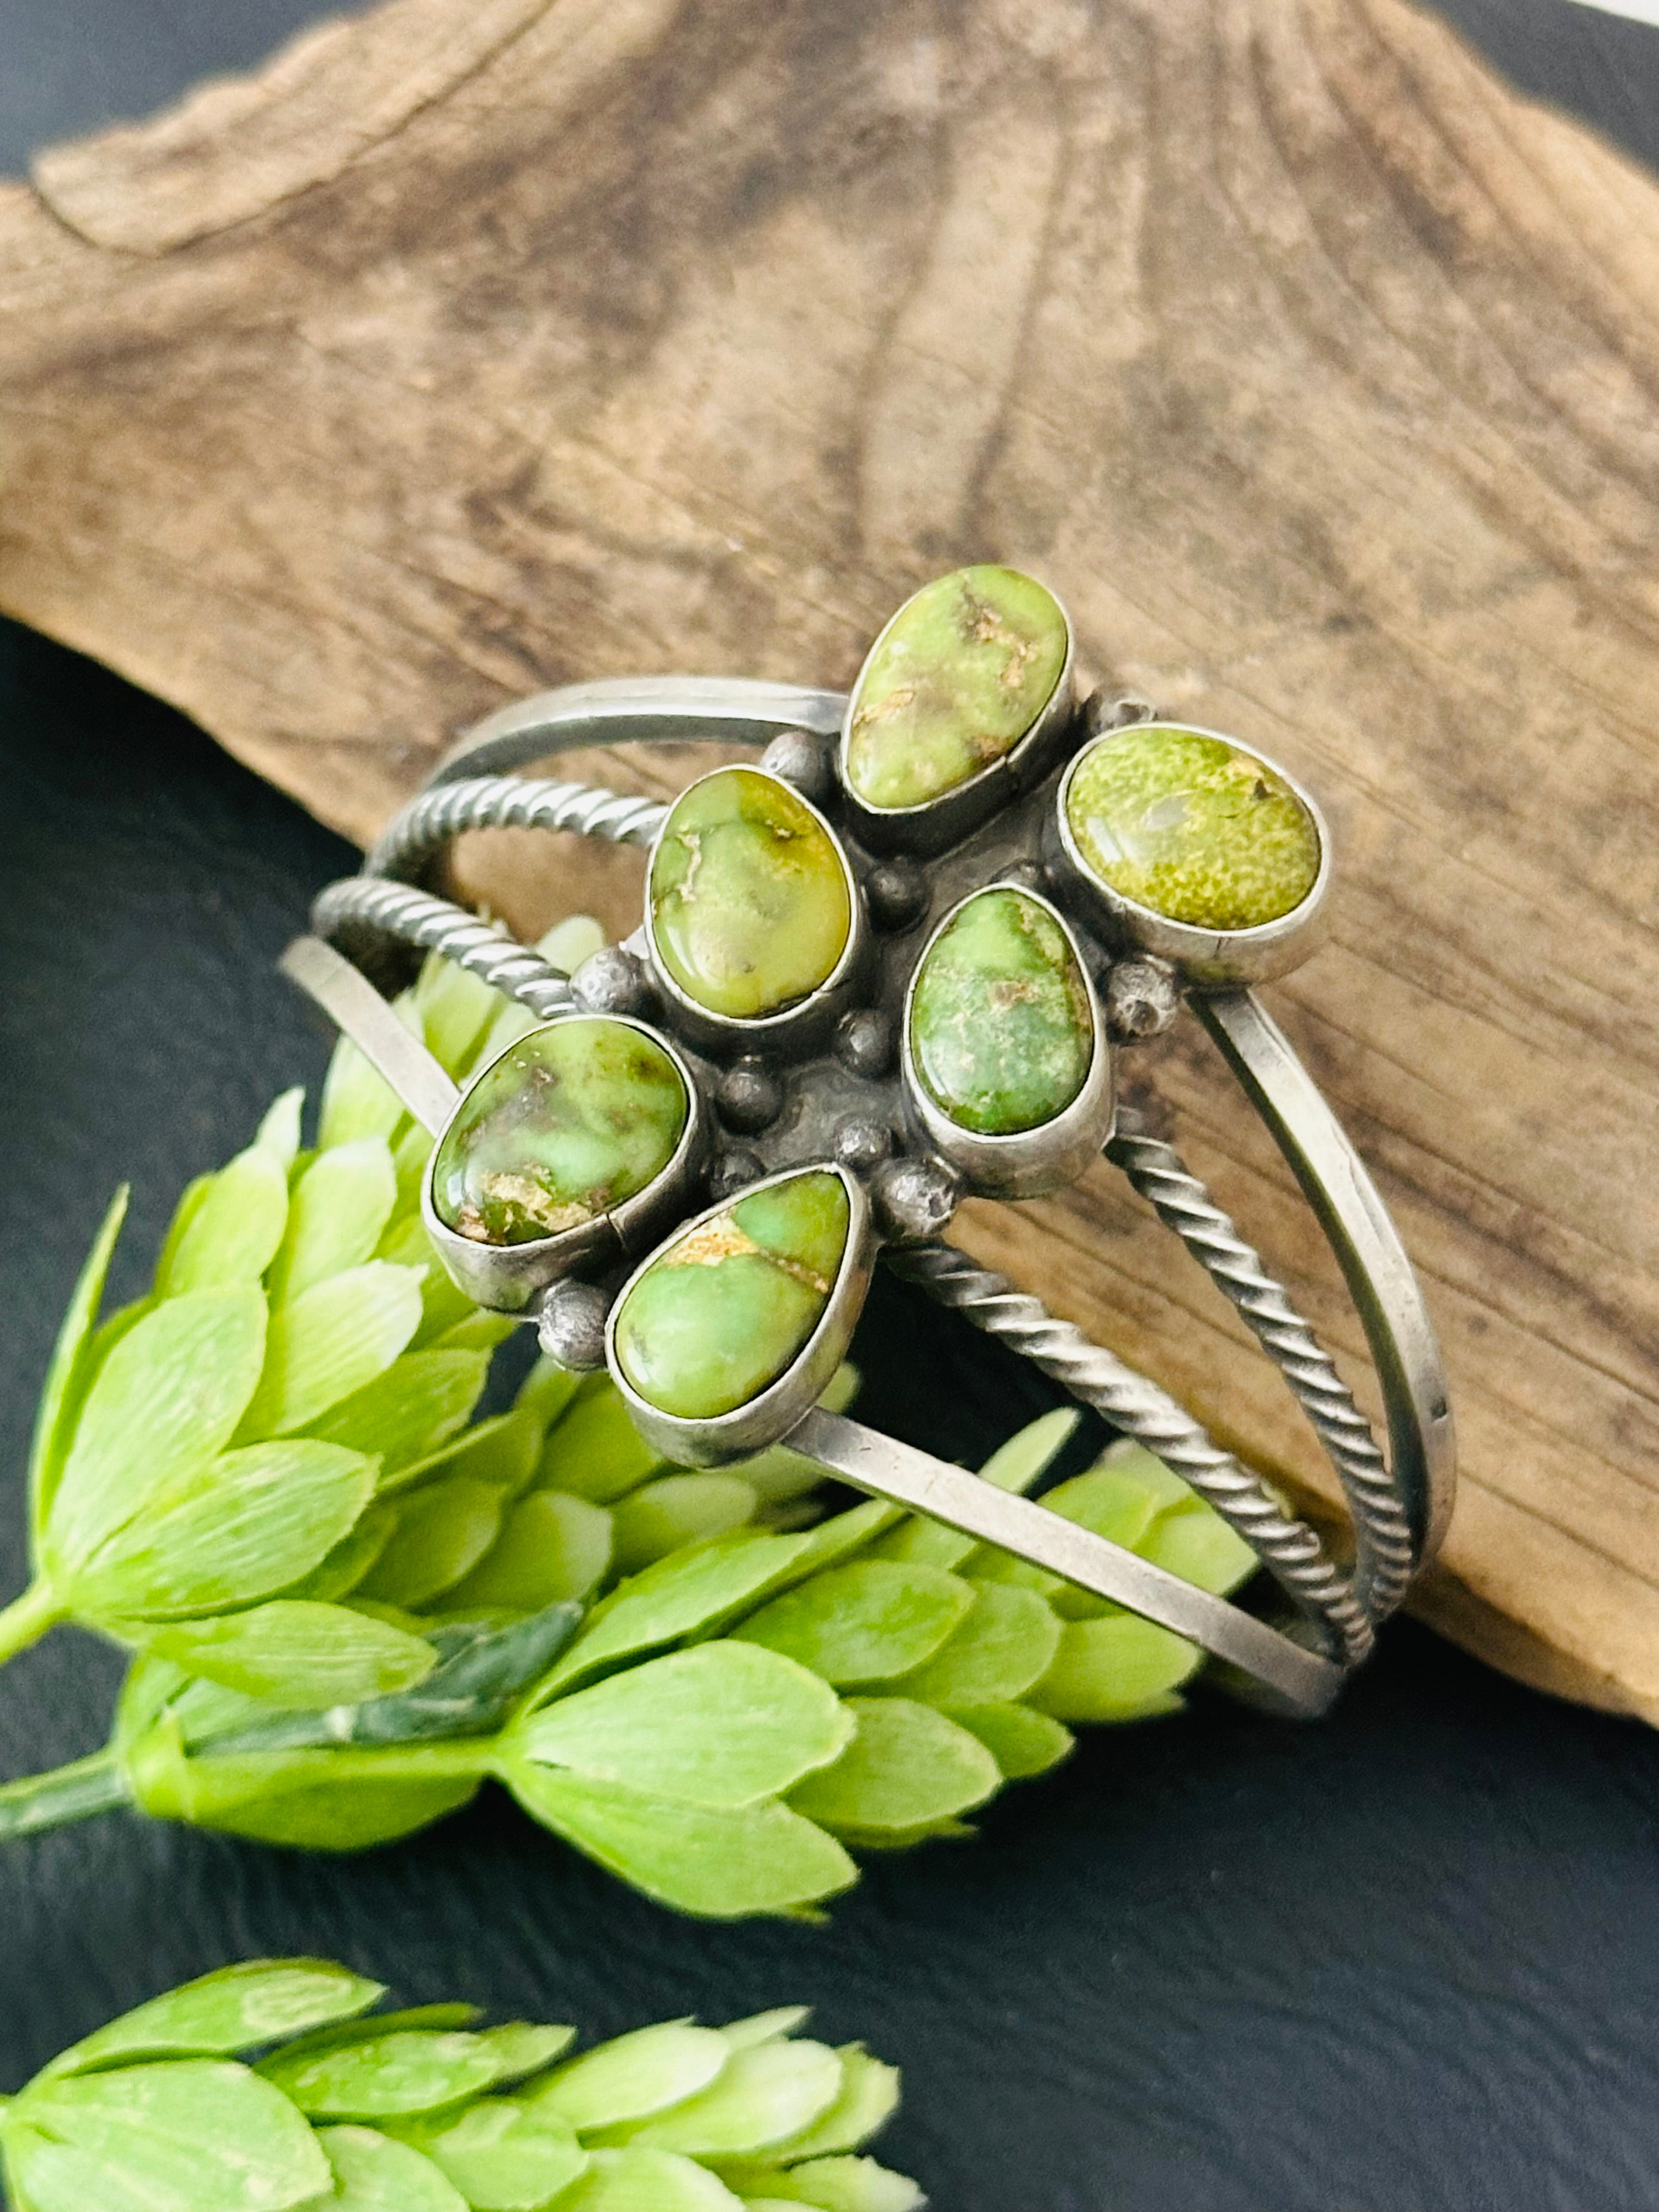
(753, 916)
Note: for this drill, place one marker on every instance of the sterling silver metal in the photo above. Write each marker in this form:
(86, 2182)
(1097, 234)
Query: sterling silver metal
(847, 1107)
(1278, 1669)
(508, 802)
(1304, 1683)
(356, 1008)
(1291, 1551)
(360, 907)
(1423, 1452)
(637, 709)
(1383, 1564)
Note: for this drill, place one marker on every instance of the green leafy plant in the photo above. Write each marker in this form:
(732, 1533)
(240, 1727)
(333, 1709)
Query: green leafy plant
(720, 1728)
(206, 1463)
(351, 1604)
(274, 2087)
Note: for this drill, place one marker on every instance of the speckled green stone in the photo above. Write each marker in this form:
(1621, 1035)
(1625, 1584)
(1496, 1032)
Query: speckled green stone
(721, 1311)
(1196, 828)
(1001, 1034)
(959, 676)
(567, 1123)
(749, 905)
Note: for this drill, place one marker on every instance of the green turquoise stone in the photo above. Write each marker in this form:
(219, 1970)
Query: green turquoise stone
(749, 905)
(1194, 828)
(955, 680)
(1001, 1032)
(567, 1123)
(723, 1310)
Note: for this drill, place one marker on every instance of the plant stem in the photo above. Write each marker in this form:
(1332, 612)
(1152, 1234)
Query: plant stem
(459, 1759)
(26, 1618)
(86, 1787)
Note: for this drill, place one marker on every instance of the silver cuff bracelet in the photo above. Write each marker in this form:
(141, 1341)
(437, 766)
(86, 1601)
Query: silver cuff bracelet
(888, 967)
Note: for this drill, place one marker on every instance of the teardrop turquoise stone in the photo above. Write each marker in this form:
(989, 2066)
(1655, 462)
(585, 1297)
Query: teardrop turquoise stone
(569, 1122)
(1001, 1030)
(1192, 827)
(722, 1311)
(958, 679)
(749, 905)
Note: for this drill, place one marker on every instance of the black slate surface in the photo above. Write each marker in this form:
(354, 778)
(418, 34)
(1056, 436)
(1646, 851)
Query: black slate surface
(1406, 1961)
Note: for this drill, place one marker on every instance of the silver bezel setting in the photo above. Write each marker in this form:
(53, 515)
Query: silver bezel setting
(934, 824)
(772, 1412)
(1026, 1163)
(795, 1028)
(510, 1278)
(1208, 958)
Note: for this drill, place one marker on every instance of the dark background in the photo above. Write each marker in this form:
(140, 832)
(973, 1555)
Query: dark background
(1404, 1961)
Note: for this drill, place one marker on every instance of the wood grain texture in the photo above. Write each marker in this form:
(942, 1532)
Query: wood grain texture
(474, 348)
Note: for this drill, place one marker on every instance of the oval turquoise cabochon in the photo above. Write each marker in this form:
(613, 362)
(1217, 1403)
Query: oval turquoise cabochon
(1191, 826)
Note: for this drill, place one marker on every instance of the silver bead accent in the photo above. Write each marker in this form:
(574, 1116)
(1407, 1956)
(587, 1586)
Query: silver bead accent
(734, 1170)
(862, 1143)
(864, 1042)
(1143, 997)
(571, 1330)
(613, 981)
(749, 1097)
(802, 760)
(896, 892)
(913, 1198)
(1102, 712)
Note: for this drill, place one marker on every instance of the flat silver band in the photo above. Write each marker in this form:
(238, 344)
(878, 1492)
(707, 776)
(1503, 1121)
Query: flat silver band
(1283, 1672)
(733, 710)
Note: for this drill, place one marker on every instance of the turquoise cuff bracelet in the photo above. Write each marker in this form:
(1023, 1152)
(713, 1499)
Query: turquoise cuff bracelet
(889, 966)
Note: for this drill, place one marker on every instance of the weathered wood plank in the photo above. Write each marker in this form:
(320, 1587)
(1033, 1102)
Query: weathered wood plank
(471, 348)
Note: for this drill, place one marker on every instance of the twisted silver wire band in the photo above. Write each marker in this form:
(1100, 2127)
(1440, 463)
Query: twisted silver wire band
(1183, 1203)
(1292, 1552)
(427, 824)
(435, 925)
